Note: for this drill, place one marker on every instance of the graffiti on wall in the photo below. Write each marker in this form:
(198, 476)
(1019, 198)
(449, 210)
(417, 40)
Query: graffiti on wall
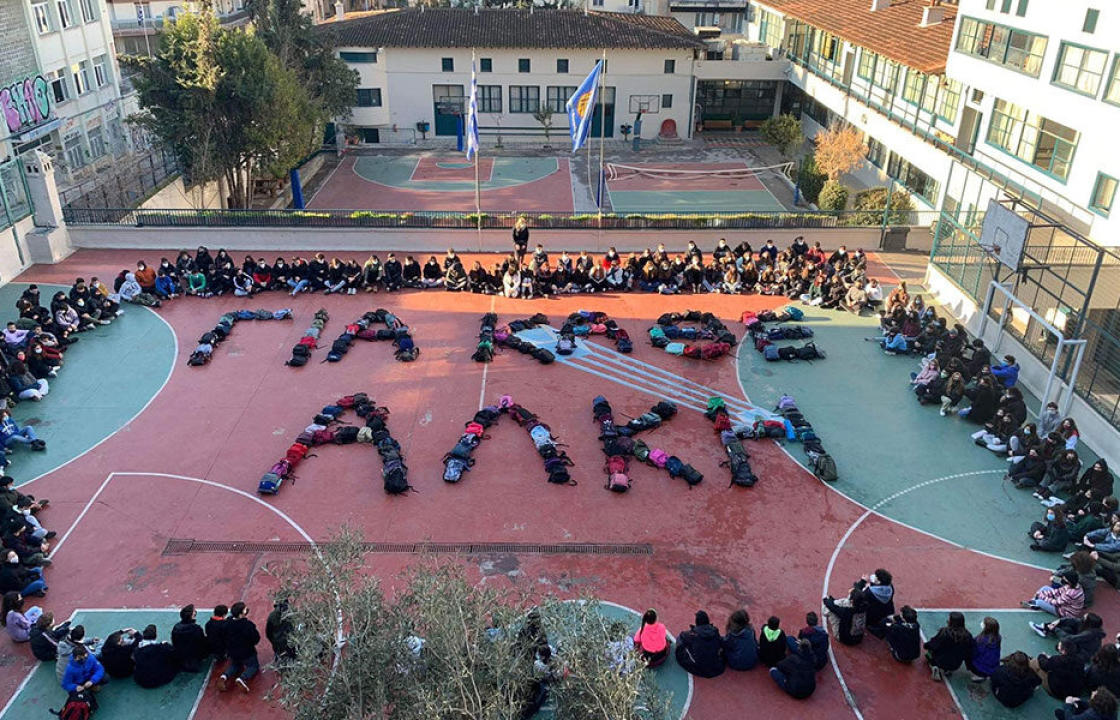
(26, 103)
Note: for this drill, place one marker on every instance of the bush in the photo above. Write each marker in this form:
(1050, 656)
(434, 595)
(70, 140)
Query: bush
(833, 197)
(810, 179)
(872, 202)
(783, 132)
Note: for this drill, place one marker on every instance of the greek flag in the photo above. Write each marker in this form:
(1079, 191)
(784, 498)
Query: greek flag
(581, 106)
(472, 117)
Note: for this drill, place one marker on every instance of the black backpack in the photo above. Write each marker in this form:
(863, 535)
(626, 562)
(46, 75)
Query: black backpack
(544, 356)
(79, 706)
(395, 476)
(664, 409)
(809, 351)
(787, 353)
(824, 467)
(346, 435)
(297, 360)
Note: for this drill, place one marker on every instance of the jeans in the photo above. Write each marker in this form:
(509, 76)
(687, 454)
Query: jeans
(245, 669)
(779, 678)
(37, 392)
(25, 436)
(37, 585)
(297, 286)
(336, 287)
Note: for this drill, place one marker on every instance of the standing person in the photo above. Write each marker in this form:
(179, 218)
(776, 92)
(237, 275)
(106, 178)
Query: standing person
(520, 238)
(985, 651)
(699, 649)
(946, 651)
(740, 648)
(241, 644)
(652, 639)
(189, 640)
(277, 629)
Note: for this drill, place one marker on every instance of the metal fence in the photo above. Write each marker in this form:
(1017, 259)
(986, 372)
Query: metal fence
(1069, 280)
(15, 201)
(123, 185)
(470, 221)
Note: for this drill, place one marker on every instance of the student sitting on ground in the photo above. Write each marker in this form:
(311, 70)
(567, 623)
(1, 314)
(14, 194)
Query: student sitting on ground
(12, 617)
(24, 384)
(83, 672)
(156, 664)
(11, 434)
(455, 280)
(1084, 564)
(215, 632)
(740, 648)
(1051, 536)
(1060, 477)
(432, 274)
(652, 639)
(1014, 682)
(878, 595)
(1101, 706)
(1104, 670)
(1029, 472)
(817, 637)
(116, 653)
(1106, 541)
(1095, 484)
(32, 552)
(772, 645)
(1007, 372)
(1064, 601)
(847, 617)
(949, 648)
(1063, 675)
(131, 291)
(796, 673)
(45, 636)
(985, 651)
(699, 649)
(1082, 637)
(189, 641)
(904, 635)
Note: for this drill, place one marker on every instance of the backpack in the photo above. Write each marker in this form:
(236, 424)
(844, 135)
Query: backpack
(786, 402)
(619, 446)
(269, 484)
(541, 436)
(198, 358)
(761, 342)
(770, 352)
(645, 421)
(322, 437)
(623, 341)
(824, 467)
(693, 351)
(664, 409)
(809, 351)
(794, 312)
(787, 353)
(711, 351)
(365, 435)
(474, 428)
(395, 477)
(407, 354)
(543, 355)
(282, 468)
(484, 353)
(346, 435)
(740, 468)
(454, 468)
(486, 416)
(691, 475)
(565, 346)
(296, 452)
(658, 457)
(641, 451)
(618, 482)
(558, 475)
(674, 465)
(78, 707)
(675, 348)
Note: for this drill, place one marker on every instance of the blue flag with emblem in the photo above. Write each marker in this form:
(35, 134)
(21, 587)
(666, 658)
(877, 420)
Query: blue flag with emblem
(581, 106)
(472, 117)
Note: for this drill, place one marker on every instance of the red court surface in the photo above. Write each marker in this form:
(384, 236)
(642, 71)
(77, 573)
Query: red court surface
(345, 189)
(188, 467)
(630, 180)
(451, 170)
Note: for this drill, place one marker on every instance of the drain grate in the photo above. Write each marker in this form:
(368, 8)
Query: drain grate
(186, 547)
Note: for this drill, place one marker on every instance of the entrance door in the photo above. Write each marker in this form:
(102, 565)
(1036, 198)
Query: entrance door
(970, 130)
(607, 106)
(448, 103)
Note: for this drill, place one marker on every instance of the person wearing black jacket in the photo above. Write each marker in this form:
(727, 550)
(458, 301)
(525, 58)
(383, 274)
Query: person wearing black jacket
(850, 617)
(411, 271)
(949, 648)
(156, 664)
(394, 273)
(277, 629)
(241, 643)
(1101, 706)
(772, 644)
(795, 674)
(216, 632)
(699, 649)
(904, 635)
(44, 638)
(189, 640)
(116, 653)
(318, 272)
(1062, 675)
(984, 399)
(1103, 671)
(1013, 682)
(878, 595)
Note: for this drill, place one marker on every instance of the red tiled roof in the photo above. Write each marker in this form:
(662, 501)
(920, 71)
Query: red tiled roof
(894, 32)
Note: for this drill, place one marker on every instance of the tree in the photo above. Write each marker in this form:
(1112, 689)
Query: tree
(544, 117)
(783, 132)
(810, 179)
(444, 648)
(839, 150)
(873, 201)
(833, 197)
(225, 104)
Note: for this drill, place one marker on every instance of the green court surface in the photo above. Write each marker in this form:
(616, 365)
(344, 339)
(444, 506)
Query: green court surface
(976, 698)
(507, 172)
(121, 699)
(892, 454)
(623, 201)
(108, 377)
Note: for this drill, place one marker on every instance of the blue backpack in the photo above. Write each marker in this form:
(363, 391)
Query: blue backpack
(770, 352)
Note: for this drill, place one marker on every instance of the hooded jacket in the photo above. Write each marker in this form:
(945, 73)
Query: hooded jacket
(78, 673)
(1012, 689)
(904, 640)
(880, 603)
(156, 664)
(699, 651)
(1006, 374)
(801, 676)
(130, 288)
(740, 649)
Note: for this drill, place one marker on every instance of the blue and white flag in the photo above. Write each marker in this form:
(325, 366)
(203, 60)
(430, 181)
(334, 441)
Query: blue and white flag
(581, 106)
(472, 117)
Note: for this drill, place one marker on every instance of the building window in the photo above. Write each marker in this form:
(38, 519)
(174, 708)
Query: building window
(886, 75)
(666, 101)
(557, 96)
(74, 149)
(358, 57)
(770, 29)
(89, 10)
(1021, 8)
(65, 16)
(561, 66)
(96, 143)
(369, 97)
(912, 88)
(1006, 125)
(949, 101)
(912, 178)
(80, 70)
(59, 87)
(670, 67)
(597, 3)
(142, 11)
(42, 17)
(523, 65)
(1090, 24)
(524, 98)
(1112, 92)
(489, 98)
(1104, 192)
(1006, 46)
(1080, 69)
(447, 64)
(866, 67)
(1037, 141)
(100, 70)
(876, 152)
(486, 65)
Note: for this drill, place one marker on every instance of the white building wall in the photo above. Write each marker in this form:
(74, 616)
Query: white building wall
(406, 76)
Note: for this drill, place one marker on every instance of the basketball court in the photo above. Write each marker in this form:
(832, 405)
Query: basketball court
(691, 187)
(161, 509)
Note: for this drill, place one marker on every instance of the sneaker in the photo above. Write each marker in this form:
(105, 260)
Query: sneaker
(1027, 605)
(942, 413)
(43, 503)
(103, 322)
(936, 674)
(1039, 628)
(45, 562)
(1038, 495)
(120, 312)
(976, 678)
(241, 684)
(222, 683)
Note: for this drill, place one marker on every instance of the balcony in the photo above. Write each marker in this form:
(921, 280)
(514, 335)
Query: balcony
(131, 26)
(707, 5)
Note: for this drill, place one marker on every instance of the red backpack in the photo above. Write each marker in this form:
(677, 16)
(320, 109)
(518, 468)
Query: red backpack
(322, 437)
(77, 707)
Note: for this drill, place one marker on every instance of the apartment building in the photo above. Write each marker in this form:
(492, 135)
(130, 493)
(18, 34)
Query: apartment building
(137, 25)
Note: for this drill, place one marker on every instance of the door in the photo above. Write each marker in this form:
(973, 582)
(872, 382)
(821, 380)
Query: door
(970, 129)
(448, 107)
(606, 106)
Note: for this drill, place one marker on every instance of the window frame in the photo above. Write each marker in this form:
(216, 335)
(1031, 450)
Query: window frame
(1060, 65)
(41, 14)
(670, 66)
(526, 98)
(59, 76)
(354, 57)
(1089, 25)
(666, 101)
(90, 7)
(65, 14)
(995, 43)
(1023, 139)
(80, 70)
(524, 65)
(1099, 208)
(374, 95)
(872, 57)
(486, 65)
(104, 146)
(1111, 93)
(556, 97)
(101, 70)
(566, 65)
(487, 99)
(949, 91)
(447, 64)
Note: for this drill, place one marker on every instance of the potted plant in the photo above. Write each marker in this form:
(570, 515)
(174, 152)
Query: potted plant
(423, 126)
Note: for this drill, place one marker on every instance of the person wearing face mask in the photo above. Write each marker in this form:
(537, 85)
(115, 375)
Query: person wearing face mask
(22, 513)
(1061, 476)
(1029, 472)
(1021, 441)
(146, 276)
(1049, 420)
(1051, 536)
(878, 594)
(15, 577)
(167, 280)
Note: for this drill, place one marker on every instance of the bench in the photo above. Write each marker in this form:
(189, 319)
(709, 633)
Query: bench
(717, 124)
(752, 124)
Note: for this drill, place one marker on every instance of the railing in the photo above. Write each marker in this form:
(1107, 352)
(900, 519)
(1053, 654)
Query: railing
(470, 221)
(125, 183)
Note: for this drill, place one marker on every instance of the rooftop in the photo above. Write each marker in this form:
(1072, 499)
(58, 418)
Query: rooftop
(895, 31)
(495, 28)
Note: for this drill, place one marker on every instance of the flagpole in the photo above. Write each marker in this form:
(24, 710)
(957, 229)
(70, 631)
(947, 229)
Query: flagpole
(477, 153)
(602, 136)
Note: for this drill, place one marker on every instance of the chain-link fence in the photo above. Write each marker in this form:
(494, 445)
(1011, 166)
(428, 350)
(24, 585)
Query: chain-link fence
(123, 185)
(1073, 283)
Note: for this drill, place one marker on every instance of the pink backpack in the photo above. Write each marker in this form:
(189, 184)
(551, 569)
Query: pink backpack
(598, 329)
(505, 401)
(282, 468)
(618, 482)
(658, 457)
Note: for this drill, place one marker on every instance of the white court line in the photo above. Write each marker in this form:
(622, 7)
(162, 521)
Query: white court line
(672, 639)
(82, 514)
(157, 393)
(485, 366)
(948, 684)
(326, 182)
